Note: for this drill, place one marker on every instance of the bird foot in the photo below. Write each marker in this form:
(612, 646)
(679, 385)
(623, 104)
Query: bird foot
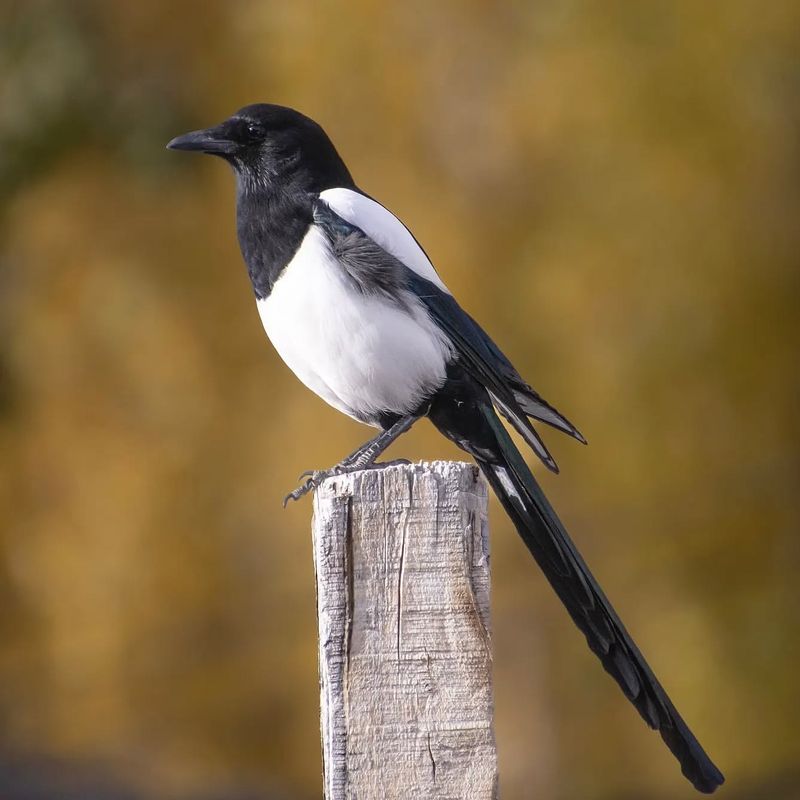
(314, 477)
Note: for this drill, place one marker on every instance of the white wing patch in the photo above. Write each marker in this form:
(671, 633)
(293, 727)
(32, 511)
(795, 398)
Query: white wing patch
(384, 228)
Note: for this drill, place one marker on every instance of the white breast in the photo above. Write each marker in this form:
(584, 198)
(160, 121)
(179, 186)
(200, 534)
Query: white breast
(362, 354)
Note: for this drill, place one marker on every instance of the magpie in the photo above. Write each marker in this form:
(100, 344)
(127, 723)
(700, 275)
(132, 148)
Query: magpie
(356, 309)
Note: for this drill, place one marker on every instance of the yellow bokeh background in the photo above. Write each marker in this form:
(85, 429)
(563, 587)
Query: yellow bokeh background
(612, 189)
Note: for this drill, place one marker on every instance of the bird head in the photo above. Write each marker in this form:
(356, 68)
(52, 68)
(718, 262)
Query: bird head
(270, 145)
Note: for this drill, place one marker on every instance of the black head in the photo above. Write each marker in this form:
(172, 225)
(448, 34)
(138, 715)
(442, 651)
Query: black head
(271, 146)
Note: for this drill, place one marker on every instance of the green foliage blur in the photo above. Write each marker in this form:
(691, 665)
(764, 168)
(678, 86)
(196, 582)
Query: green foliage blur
(613, 189)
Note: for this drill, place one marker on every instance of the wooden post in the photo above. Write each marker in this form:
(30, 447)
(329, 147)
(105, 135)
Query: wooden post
(402, 564)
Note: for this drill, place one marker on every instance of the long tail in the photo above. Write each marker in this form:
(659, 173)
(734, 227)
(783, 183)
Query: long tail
(554, 551)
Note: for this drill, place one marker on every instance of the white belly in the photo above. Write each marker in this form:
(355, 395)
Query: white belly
(362, 354)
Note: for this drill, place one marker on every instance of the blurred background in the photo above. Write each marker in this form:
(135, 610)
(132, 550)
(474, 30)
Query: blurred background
(612, 189)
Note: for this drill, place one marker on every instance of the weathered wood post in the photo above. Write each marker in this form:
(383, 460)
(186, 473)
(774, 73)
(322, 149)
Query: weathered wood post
(402, 564)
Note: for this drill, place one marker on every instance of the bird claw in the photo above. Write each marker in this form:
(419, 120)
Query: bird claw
(298, 492)
(315, 478)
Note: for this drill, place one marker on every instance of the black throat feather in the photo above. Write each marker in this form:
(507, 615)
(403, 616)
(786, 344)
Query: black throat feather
(271, 225)
(275, 207)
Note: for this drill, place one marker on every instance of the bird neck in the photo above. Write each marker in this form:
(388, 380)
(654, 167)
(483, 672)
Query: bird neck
(271, 223)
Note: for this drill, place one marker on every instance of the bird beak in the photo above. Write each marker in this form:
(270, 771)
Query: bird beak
(211, 141)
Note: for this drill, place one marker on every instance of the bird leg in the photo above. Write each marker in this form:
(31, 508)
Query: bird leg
(363, 458)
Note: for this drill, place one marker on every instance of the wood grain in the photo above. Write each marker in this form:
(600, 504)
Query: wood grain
(402, 565)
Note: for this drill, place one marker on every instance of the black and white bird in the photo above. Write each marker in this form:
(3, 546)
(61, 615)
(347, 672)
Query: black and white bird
(357, 311)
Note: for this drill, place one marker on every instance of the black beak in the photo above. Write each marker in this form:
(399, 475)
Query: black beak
(211, 141)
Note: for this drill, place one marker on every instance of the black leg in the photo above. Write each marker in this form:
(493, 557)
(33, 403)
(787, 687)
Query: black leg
(362, 458)
(367, 453)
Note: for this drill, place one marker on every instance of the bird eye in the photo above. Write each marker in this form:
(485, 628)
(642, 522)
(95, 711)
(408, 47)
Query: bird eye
(254, 129)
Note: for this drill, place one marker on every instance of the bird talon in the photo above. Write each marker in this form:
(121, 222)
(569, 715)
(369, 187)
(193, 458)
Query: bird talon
(315, 478)
(299, 492)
